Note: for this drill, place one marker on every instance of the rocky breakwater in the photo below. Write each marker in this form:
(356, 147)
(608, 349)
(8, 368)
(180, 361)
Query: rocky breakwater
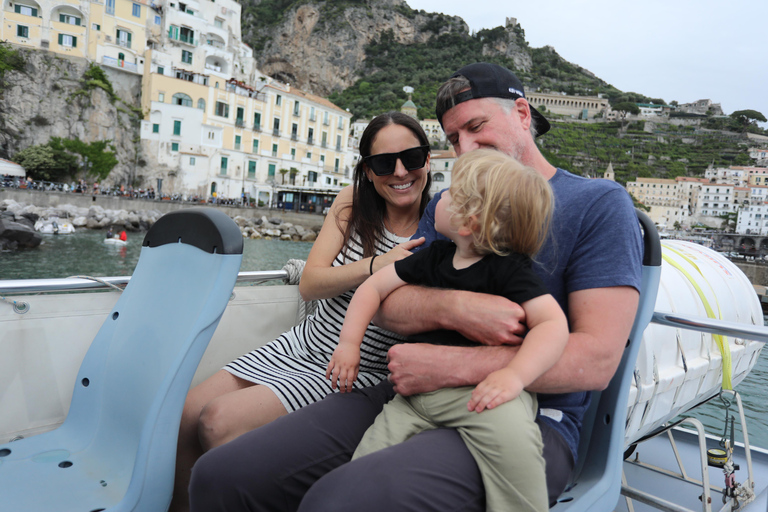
(20, 222)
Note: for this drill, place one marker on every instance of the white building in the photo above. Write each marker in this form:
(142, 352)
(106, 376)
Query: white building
(753, 220)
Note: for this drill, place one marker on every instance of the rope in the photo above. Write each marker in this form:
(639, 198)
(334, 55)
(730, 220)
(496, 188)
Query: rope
(20, 307)
(294, 269)
(720, 340)
(98, 280)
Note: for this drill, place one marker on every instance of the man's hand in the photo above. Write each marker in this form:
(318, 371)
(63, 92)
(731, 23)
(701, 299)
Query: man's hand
(490, 319)
(420, 368)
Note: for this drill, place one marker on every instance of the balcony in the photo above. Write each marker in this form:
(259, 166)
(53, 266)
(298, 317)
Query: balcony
(323, 144)
(113, 62)
(338, 147)
(276, 132)
(310, 141)
(257, 127)
(239, 123)
(294, 136)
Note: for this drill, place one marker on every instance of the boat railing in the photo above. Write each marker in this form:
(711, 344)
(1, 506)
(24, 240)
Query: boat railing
(85, 283)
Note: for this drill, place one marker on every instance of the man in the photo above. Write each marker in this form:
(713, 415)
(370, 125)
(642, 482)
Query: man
(591, 265)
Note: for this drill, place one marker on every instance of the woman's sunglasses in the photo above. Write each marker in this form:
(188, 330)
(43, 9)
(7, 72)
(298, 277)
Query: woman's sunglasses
(384, 164)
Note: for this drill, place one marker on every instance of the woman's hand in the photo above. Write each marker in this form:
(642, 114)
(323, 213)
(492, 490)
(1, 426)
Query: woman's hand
(343, 367)
(397, 253)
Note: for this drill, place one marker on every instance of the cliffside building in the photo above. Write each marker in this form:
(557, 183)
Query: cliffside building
(213, 124)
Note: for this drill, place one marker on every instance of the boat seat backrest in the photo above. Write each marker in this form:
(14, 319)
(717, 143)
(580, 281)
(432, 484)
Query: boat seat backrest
(596, 480)
(118, 442)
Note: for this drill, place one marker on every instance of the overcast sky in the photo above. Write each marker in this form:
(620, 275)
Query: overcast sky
(682, 50)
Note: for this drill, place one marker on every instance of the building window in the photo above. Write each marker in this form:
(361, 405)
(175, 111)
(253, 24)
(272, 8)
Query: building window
(336, 165)
(255, 145)
(218, 23)
(341, 123)
(222, 109)
(338, 143)
(312, 113)
(174, 146)
(238, 140)
(155, 128)
(293, 153)
(25, 10)
(181, 99)
(322, 160)
(110, 6)
(157, 20)
(22, 31)
(279, 100)
(160, 70)
(177, 127)
(192, 161)
(257, 121)
(276, 126)
(186, 57)
(294, 131)
(439, 177)
(274, 149)
(161, 97)
(326, 119)
(271, 170)
(123, 38)
(296, 108)
(251, 169)
(312, 177)
(69, 20)
(136, 10)
(201, 104)
(223, 166)
(309, 155)
(67, 41)
(211, 135)
(310, 136)
(96, 27)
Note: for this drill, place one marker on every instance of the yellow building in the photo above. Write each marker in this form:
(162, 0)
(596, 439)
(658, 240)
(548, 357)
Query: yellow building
(111, 33)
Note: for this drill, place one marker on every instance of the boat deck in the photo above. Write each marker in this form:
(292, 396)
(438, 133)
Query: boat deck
(653, 469)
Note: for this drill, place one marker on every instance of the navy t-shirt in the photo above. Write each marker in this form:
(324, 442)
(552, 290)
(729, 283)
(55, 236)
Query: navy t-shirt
(510, 276)
(594, 242)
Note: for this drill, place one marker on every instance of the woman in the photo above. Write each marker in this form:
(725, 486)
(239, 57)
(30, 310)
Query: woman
(368, 227)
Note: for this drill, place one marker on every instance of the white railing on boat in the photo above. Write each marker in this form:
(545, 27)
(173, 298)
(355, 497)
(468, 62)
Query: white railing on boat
(71, 284)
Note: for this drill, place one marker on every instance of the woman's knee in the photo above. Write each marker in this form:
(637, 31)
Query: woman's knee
(214, 424)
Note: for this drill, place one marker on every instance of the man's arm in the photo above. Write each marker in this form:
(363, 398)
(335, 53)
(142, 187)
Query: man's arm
(601, 319)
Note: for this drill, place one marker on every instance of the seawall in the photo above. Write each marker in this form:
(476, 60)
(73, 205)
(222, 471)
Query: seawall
(49, 198)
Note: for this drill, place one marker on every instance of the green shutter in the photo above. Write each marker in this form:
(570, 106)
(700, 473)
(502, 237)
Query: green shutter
(61, 39)
(61, 18)
(77, 21)
(74, 42)
(34, 12)
(129, 39)
(251, 169)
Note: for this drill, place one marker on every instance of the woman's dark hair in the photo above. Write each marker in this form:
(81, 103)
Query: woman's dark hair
(368, 208)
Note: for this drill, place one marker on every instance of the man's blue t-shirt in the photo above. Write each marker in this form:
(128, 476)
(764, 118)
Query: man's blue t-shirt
(594, 242)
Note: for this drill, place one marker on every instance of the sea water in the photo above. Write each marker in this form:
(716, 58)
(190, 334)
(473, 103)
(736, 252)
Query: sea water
(85, 253)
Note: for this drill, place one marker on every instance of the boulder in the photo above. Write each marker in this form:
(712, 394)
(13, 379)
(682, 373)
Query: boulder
(15, 234)
(272, 232)
(79, 222)
(309, 237)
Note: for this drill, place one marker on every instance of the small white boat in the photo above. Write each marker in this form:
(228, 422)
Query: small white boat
(115, 241)
(54, 226)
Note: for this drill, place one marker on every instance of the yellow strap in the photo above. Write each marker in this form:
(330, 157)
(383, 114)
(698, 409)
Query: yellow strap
(722, 341)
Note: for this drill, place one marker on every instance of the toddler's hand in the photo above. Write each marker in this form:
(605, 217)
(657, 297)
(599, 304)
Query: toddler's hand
(343, 367)
(498, 387)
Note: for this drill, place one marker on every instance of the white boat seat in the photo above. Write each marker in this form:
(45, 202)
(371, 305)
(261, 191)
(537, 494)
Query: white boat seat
(596, 481)
(116, 449)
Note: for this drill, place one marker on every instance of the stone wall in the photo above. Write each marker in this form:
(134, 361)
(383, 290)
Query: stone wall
(757, 274)
(46, 199)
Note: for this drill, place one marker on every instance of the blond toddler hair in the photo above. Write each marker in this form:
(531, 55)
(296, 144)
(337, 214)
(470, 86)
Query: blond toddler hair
(507, 204)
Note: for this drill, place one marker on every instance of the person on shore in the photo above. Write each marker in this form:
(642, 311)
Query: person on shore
(590, 263)
(496, 215)
(369, 226)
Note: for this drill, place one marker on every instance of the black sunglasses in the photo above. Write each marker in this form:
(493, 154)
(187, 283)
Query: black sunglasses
(384, 164)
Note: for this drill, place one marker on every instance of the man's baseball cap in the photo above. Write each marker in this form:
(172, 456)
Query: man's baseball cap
(491, 81)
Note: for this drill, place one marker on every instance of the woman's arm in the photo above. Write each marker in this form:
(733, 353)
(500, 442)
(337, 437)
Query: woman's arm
(320, 279)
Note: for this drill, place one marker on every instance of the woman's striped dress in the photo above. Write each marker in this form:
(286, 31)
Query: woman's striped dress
(293, 366)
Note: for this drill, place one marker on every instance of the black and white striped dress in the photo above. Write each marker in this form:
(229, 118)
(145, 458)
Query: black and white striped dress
(293, 366)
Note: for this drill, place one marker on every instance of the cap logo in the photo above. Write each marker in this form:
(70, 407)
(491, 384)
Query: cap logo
(515, 91)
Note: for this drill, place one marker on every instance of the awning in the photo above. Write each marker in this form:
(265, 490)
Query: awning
(7, 167)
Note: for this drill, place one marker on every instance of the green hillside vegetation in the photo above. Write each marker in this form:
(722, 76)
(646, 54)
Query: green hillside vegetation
(669, 151)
